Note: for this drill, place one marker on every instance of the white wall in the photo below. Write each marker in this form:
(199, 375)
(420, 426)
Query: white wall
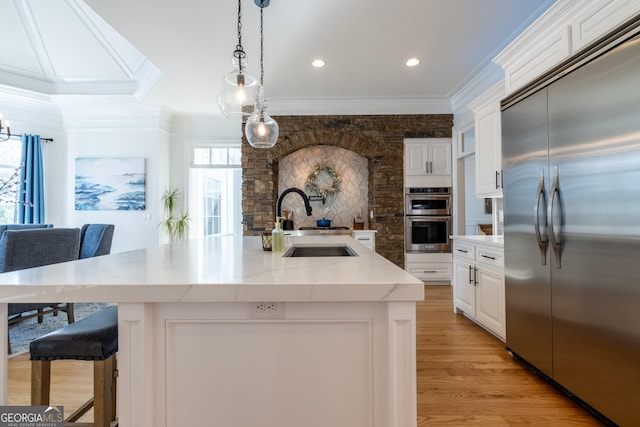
(126, 130)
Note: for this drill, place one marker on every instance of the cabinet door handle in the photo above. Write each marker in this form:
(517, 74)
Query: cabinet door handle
(430, 167)
(470, 274)
(426, 167)
(430, 271)
(463, 251)
(488, 257)
(475, 276)
(497, 179)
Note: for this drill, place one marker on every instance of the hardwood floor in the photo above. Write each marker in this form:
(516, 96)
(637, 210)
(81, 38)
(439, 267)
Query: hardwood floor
(465, 376)
(71, 383)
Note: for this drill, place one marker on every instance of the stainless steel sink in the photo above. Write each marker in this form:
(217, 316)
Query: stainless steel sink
(319, 251)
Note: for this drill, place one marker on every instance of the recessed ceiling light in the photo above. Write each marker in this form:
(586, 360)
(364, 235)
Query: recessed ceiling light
(318, 63)
(412, 62)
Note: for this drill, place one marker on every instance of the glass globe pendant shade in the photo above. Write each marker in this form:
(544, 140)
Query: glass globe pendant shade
(238, 91)
(261, 130)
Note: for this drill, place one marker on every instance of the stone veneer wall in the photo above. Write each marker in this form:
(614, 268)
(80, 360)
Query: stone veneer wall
(379, 138)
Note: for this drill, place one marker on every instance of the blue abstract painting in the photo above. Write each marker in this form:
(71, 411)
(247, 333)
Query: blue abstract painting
(110, 183)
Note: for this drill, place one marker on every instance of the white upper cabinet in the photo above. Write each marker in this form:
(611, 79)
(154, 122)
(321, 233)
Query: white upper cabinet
(563, 30)
(535, 61)
(488, 152)
(596, 17)
(488, 142)
(427, 162)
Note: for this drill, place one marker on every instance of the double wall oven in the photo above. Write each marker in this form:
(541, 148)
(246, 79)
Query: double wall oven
(428, 219)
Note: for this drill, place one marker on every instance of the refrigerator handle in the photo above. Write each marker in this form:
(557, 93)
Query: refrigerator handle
(540, 238)
(555, 191)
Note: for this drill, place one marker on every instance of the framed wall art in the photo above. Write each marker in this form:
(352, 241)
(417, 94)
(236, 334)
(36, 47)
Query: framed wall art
(110, 183)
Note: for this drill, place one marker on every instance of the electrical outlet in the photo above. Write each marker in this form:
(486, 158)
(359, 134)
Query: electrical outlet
(267, 310)
(271, 306)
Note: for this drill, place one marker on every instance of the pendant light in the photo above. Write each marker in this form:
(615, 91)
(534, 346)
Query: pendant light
(238, 91)
(261, 130)
(4, 136)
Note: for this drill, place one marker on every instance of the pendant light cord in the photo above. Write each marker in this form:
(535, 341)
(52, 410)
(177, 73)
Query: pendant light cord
(239, 53)
(261, 45)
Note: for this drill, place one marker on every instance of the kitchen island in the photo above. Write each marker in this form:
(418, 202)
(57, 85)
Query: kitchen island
(219, 332)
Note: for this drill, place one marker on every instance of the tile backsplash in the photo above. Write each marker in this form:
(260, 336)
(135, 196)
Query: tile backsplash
(350, 201)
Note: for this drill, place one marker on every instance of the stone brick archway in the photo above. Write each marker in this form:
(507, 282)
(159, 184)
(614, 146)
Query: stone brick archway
(378, 138)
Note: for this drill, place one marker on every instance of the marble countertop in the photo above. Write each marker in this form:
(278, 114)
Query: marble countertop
(216, 269)
(491, 240)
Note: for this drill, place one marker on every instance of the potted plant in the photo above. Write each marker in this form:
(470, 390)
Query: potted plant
(175, 226)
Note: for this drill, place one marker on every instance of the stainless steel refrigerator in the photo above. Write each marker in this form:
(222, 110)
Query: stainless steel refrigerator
(571, 160)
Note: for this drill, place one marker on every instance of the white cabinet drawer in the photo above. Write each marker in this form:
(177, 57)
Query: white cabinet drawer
(366, 237)
(430, 271)
(490, 257)
(463, 251)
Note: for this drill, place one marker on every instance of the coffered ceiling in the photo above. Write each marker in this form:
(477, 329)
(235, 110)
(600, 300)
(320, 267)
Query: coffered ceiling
(173, 53)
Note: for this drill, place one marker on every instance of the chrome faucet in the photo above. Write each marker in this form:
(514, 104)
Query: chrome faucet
(295, 190)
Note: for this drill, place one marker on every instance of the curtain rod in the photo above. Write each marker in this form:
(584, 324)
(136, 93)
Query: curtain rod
(20, 136)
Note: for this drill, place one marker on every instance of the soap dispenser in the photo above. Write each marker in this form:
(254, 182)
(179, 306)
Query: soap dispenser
(277, 236)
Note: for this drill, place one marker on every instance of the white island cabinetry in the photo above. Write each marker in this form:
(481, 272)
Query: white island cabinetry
(334, 346)
(478, 281)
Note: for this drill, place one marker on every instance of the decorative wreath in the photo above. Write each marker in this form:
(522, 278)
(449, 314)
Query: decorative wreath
(330, 190)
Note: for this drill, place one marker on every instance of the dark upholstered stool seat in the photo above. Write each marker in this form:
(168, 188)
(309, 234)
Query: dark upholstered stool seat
(93, 338)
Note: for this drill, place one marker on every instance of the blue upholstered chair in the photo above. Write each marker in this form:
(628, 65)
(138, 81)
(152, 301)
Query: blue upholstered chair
(95, 240)
(20, 249)
(4, 227)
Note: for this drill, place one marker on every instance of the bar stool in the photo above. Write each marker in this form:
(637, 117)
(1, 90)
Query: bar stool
(94, 338)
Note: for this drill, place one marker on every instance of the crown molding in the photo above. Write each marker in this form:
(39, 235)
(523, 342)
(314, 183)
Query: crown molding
(487, 78)
(357, 106)
(111, 112)
(24, 108)
(494, 94)
(553, 19)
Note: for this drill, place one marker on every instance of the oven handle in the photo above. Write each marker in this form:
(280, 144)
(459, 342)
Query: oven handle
(429, 195)
(430, 217)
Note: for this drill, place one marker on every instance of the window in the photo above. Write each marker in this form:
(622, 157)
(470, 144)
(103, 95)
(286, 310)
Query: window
(215, 191)
(10, 154)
